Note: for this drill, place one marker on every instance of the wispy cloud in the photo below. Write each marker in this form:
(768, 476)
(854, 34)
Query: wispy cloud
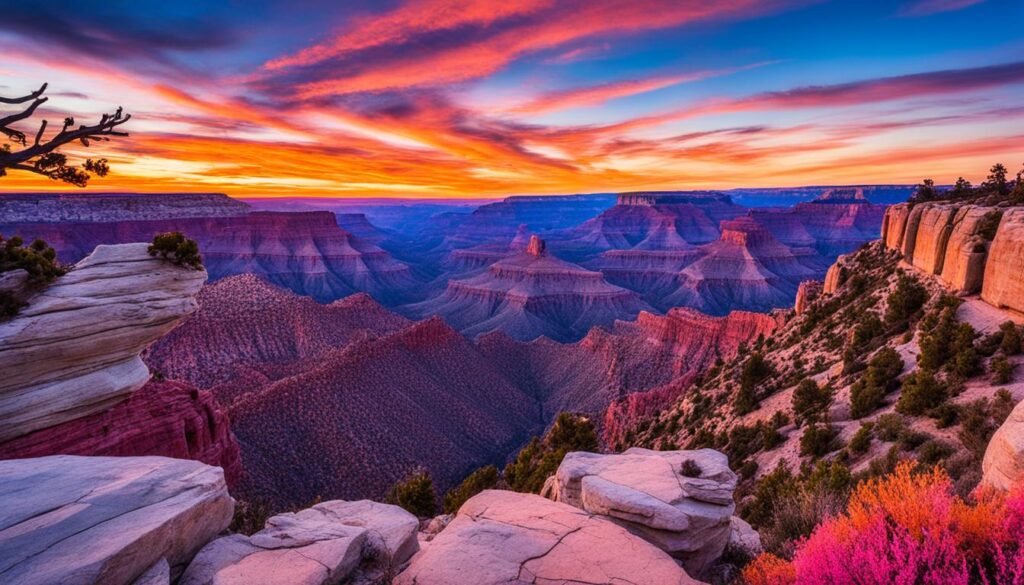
(927, 7)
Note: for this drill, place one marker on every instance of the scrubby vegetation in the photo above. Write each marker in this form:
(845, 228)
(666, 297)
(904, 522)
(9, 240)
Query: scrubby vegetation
(416, 494)
(478, 481)
(176, 248)
(996, 189)
(38, 259)
(541, 456)
(907, 528)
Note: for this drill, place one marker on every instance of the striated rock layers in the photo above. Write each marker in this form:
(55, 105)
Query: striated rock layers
(657, 496)
(353, 542)
(169, 419)
(837, 222)
(1003, 466)
(110, 207)
(970, 248)
(529, 295)
(747, 268)
(630, 357)
(507, 537)
(84, 520)
(306, 252)
(74, 350)
(806, 293)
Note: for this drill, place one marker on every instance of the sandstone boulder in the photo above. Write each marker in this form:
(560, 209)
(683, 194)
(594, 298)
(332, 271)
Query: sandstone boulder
(681, 501)
(1003, 466)
(833, 276)
(507, 537)
(85, 520)
(74, 350)
(1004, 271)
(362, 542)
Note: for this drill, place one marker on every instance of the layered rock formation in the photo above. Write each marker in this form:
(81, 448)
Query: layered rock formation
(74, 350)
(837, 222)
(529, 295)
(108, 207)
(1003, 465)
(86, 520)
(746, 268)
(169, 419)
(680, 501)
(305, 252)
(353, 542)
(507, 537)
(970, 248)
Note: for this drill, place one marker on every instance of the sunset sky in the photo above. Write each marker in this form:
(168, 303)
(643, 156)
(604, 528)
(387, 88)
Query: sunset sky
(445, 99)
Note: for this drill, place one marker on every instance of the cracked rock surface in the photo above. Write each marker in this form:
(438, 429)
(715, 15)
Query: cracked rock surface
(74, 350)
(508, 537)
(355, 542)
(84, 520)
(647, 492)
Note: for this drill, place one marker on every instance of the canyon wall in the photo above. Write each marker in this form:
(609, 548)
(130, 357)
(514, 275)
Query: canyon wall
(970, 248)
(107, 207)
(306, 252)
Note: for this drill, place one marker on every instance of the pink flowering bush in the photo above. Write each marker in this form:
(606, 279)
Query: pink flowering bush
(908, 528)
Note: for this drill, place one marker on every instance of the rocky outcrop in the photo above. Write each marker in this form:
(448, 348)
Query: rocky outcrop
(1003, 465)
(963, 269)
(85, 520)
(529, 295)
(837, 222)
(356, 542)
(74, 350)
(508, 537)
(1004, 271)
(110, 207)
(806, 293)
(306, 252)
(680, 501)
(970, 248)
(170, 419)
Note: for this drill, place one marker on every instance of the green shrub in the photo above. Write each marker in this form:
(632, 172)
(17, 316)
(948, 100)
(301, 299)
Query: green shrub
(1011, 342)
(540, 458)
(478, 481)
(755, 370)
(945, 415)
(934, 452)
(976, 427)
(1001, 406)
(905, 300)
(921, 393)
(861, 440)
(881, 377)
(690, 468)
(176, 248)
(818, 440)
(889, 427)
(416, 494)
(38, 259)
(811, 402)
(1002, 370)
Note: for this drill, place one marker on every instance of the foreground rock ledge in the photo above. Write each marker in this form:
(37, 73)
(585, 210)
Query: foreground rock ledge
(653, 495)
(84, 520)
(357, 543)
(74, 350)
(506, 537)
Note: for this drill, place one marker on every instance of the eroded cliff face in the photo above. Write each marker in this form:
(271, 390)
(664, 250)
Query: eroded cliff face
(74, 350)
(970, 248)
(167, 418)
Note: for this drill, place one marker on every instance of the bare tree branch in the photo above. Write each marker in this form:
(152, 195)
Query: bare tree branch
(42, 157)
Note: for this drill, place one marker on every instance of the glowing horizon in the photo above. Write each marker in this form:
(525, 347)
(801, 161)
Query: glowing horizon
(438, 99)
